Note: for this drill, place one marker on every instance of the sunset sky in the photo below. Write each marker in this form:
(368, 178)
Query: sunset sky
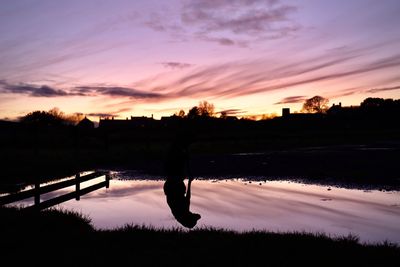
(143, 57)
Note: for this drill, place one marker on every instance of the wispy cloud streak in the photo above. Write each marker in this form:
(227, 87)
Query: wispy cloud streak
(238, 16)
(176, 65)
(382, 89)
(232, 111)
(228, 22)
(243, 78)
(291, 99)
(229, 80)
(115, 92)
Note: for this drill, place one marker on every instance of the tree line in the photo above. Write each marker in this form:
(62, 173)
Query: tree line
(204, 109)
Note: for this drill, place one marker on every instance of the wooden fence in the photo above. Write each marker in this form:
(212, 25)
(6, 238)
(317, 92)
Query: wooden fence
(37, 191)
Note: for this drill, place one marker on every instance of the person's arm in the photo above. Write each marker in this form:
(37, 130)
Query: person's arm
(187, 165)
(188, 192)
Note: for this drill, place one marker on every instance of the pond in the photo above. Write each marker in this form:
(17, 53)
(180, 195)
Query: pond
(242, 205)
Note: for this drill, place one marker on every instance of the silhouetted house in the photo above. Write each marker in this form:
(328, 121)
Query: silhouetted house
(112, 124)
(285, 112)
(305, 116)
(344, 112)
(142, 122)
(173, 120)
(132, 123)
(85, 124)
(299, 116)
(335, 109)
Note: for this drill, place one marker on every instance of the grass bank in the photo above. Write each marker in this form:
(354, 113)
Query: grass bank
(67, 239)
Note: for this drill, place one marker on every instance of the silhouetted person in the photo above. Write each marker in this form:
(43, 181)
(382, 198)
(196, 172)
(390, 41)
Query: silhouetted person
(176, 167)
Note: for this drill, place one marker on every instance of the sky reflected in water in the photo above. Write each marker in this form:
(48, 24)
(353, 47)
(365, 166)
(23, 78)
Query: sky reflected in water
(239, 205)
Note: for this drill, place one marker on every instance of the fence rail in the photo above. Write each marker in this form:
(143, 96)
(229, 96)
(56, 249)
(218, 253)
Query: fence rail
(37, 191)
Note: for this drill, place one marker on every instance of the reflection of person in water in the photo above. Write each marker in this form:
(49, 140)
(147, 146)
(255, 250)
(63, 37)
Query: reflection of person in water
(178, 198)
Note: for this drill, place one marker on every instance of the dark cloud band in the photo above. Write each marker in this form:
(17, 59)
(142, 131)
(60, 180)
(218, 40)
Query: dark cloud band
(291, 99)
(377, 90)
(32, 90)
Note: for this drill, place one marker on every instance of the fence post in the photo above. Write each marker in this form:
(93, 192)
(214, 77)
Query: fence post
(77, 186)
(37, 194)
(107, 180)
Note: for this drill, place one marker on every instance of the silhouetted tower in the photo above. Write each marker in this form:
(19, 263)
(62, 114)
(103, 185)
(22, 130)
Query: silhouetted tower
(285, 112)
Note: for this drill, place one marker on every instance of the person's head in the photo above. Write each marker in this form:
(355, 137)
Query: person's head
(174, 188)
(189, 220)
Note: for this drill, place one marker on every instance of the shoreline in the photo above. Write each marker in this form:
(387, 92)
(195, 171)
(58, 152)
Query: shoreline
(154, 247)
(371, 165)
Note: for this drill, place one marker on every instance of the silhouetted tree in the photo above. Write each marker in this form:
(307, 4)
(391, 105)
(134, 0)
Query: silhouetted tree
(250, 117)
(379, 107)
(206, 109)
(316, 104)
(42, 118)
(268, 116)
(193, 113)
(181, 113)
(52, 117)
(56, 112)
(224, 115)
(373, 102)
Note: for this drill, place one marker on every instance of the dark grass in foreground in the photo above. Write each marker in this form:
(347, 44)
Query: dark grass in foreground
(66, 238)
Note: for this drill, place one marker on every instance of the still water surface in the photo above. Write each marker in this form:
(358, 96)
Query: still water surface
(240, 205)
